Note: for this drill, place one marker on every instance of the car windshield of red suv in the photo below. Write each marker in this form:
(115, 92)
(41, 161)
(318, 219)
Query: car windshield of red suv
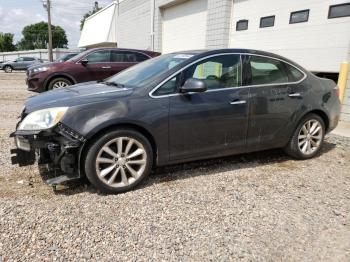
(145, 72)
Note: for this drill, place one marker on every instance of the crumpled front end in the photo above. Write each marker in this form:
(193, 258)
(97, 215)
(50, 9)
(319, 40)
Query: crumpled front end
(58, 148)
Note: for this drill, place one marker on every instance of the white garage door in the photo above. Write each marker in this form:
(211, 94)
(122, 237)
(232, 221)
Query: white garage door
(184, 26)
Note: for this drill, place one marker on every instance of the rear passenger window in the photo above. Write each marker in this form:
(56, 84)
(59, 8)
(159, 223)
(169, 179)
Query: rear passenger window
(28, 59)
(267, 71)
(124, 57)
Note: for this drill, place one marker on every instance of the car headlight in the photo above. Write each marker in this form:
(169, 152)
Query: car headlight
(40, 69)
(42, 119)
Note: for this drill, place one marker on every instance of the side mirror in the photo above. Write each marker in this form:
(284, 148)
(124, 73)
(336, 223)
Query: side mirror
(84, 62)
(193, 85)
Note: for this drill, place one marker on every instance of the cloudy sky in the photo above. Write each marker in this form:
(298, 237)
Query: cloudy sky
(15, 14)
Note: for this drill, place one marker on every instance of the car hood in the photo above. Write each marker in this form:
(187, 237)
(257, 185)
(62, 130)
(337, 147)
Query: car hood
(85, 93)
(38, 64)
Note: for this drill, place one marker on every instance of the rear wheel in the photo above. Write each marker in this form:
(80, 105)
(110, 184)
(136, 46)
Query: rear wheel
(308, 138)
(119, 160)
(8, 69)
(58, 83)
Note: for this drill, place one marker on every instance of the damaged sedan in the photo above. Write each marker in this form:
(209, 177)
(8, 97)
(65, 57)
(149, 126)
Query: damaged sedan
(175, 108)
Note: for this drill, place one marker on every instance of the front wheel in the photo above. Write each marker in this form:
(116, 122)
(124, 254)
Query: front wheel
(117, 161)
(8, 69)
(308, 138)
(58, 83)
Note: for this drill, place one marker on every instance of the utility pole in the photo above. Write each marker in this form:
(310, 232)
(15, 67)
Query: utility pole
(47, 5)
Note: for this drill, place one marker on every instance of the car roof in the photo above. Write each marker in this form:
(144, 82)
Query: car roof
(207, 52)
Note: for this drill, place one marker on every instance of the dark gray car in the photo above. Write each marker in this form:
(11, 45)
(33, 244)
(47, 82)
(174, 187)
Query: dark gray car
(20, 63)
(175, 108)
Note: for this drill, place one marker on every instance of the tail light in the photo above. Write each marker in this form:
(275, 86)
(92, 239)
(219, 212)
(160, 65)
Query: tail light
(336, 89)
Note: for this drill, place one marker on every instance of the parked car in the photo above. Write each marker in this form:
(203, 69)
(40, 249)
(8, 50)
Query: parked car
(66, 57)
(175, 108)
(90, 65)
(21, 63)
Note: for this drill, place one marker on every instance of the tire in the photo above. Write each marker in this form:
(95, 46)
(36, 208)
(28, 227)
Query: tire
(112, 174)
(58, 83)
(8, 69)
(305, 144)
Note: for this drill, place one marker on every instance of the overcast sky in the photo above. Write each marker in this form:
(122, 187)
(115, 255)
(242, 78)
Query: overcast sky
(15, 14)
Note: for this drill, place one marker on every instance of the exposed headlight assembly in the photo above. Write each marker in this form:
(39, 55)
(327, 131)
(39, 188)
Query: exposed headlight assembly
(42, 119)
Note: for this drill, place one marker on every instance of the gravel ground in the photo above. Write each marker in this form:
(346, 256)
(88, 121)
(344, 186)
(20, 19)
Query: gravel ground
(260, 206)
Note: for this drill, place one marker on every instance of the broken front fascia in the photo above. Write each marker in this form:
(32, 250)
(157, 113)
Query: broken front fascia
(59, 147)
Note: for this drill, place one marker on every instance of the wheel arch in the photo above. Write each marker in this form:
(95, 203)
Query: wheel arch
(60, 75)
(321, 114)
(3, 67)
(103, 130)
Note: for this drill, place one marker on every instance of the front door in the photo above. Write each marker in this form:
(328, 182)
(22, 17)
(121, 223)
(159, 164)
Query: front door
(98, 67)
(214, 122)
(276, 95)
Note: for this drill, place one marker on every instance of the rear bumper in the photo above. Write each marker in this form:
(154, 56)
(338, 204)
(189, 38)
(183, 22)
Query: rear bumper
(334, 115)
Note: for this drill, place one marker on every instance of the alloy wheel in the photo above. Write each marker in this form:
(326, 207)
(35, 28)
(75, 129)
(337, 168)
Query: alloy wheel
(121, 162)
(60, 84)
(8, 69)
(310, 136)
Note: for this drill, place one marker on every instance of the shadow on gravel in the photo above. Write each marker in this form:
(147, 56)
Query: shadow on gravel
(193, 169)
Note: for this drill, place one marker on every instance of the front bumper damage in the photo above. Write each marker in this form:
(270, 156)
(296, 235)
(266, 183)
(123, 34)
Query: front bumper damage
(58, 148)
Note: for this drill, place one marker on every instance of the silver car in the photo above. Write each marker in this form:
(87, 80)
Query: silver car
(21, 63)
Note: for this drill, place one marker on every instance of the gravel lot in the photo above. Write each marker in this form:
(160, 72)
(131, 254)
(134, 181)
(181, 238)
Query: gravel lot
(261, 206)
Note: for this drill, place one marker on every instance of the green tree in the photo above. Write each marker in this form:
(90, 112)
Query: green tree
(94, 10)
(35, 36)
(6, 42)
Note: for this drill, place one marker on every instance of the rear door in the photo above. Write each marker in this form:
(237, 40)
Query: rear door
(99, 67)
(276, 95)
(213, 122)
(123, 59)
(27, 62)
(19, 63)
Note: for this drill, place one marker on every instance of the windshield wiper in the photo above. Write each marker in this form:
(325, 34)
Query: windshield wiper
(111, 84)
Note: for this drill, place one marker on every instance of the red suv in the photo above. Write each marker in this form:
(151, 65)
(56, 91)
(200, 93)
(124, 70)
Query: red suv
(93, 64)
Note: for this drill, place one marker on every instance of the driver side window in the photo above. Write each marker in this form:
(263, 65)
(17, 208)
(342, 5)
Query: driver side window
(222, 71)
(99, 57)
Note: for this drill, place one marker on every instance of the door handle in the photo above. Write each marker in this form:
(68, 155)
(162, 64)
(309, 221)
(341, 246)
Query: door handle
(294, 95)
(238, 102)
(106, 67)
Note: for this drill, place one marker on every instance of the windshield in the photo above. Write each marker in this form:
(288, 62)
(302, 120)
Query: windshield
(147, 71)
(65, 57)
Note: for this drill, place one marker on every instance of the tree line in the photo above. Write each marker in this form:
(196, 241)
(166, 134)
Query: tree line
(35, 36)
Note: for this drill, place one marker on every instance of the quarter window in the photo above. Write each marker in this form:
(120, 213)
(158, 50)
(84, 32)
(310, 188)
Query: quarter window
(99, 57)
(217, 72)
(170, 87)
(242, 25)
(267, 71)
(299, 16)
(267, 21)
(341, 10)
(294, 74)
(141, 57)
